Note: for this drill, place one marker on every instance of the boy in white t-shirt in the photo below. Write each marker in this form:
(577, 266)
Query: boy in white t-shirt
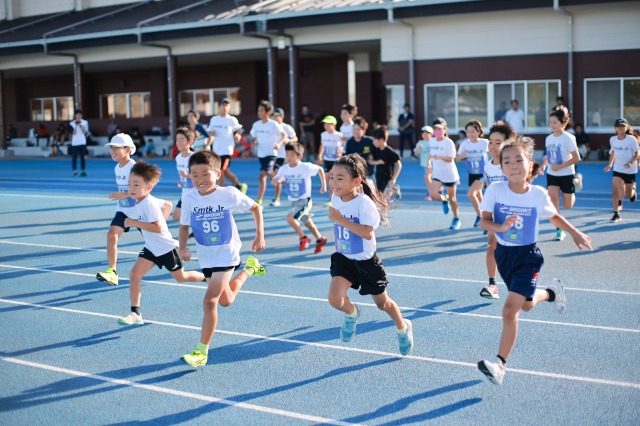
(278, 117)
(159, 247)
(185, 137)
(267, 136)
(422, 151)
(347, 114)
(624, 162)
(208, 211)
(296, 176)
(331, 145)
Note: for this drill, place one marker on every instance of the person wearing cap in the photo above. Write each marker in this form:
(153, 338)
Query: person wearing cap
(278, 117)
(267, 136)
(79, 134)
(225, 131)
(331, 146)
(121, 149)
(423, 151)
(623, 160)
(203, 139)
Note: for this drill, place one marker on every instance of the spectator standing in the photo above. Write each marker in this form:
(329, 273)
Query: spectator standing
(79, 133)
(406, 129)
(515, 117)
(307, 124)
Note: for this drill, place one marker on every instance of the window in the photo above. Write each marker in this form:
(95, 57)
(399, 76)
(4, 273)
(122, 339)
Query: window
(205, 101)
(52, 109)
(125, 105)
(458, 103)
(395, 106)
(609, 99)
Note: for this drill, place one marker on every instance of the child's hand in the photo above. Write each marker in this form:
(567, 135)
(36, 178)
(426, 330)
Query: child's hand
(323, 190)
(509, 222)
(116, 195)
(274, 182)
(185, 254)
(581, 240)
(184, 174)
(556, 167)
(607, 169)
(129, 223)
(334, 214)
(545, 161)
(258, 244)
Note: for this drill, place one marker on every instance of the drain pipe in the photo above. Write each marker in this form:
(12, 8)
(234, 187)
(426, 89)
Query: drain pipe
(557, 8)
(412, 81)
(270, 64)
(77, 104)
(292, 83)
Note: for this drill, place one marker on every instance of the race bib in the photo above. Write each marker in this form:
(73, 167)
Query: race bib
(523, 232)
(186, 183)
(346, 241)
(497, 178)
(127, 202)
(331, 151)
(213, 228)
(475, 166)
(295, 187)
(554, 155)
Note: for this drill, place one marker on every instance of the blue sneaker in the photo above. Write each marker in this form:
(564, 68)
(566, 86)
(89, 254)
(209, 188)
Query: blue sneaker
(455, 224)
(348, 329)
(477, 222)
(405, 340)
(560, 235)
(445, 205)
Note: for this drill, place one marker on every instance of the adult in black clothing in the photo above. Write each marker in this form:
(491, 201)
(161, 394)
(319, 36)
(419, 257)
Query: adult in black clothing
(307, 124)
(406, 129)
(583, 142)
(386, 160)
(360, 143)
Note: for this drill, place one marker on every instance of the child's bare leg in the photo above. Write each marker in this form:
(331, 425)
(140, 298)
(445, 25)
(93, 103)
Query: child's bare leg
(215, 287)
(434, 191)
(541, 295)
(629, 188)
(176, 214)
(338, 295)
(278, 191)
(229, 294)
(568, 200)
(453, 200)
(385, 303)
(113, 235)
(313, 228)
(295, 225)
(510, 313)
(554, 195)
(475, 195)
(139, 270)
(232, 178)
(262, 184)
(492, 267)
(183, 276)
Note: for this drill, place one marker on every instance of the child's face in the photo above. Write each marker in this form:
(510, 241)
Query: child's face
(426, 136)
(138, 188)
(621, 130)
(472, 133)
(182, 142)
(204, 178)
(378, 143)
(342, 183)
(555, 124)
(277, 118)
(262, 113)
(345, 116)
(329, 127)
(292, 157)
(191, 118)
(119, 153)
(495, 142)
(358, 132)
(516, 167)
(224, 109)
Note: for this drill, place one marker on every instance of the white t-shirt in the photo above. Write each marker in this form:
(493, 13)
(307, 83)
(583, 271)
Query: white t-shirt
(493, 172)
(122, 180)
(516, 119)
(79, 134)
(624, 150)
(360, 210)
(297, 179)
(444, 171)
(476, 155)
(267, 135)
(346, 130)
(502, 202)
(424, 151)
(211, 221)
(224, 128)
(332, 145)
(558, 151)
(290, 135)
(182, 163)
(148, 211)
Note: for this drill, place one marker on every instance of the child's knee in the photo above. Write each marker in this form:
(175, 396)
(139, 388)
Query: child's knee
(510, 312)
(210, 303)
(336, 300)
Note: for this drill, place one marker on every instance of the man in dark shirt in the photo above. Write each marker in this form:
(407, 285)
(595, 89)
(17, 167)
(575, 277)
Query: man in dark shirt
(406, 129)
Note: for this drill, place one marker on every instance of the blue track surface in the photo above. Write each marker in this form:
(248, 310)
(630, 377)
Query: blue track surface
(276, 358)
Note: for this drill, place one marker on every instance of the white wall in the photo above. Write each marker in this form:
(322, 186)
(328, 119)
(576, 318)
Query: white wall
(12, 9)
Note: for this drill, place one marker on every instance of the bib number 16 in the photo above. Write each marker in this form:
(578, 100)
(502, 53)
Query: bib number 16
(343, 233)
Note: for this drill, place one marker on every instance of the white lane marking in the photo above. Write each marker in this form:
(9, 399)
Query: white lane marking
(311, 268)
(183, 394)
(340, 348)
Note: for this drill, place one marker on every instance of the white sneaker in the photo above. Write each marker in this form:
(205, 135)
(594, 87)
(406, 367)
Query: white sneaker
(131, 319)
(494, 371)
(560, 303)
(577, 182)
(276, 203)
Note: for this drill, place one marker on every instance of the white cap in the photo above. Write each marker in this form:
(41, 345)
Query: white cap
(121, 140)
(427, 129)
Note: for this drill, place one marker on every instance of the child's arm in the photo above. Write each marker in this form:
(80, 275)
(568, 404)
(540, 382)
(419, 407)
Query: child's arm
(581, 239)
(443, 158)
(258, 242)
(184, 174)
(461, 156)
(118, 195)
(149, 227)
(166, 209)
(323, 181)
(321, 154)
(183, 237)
(488, 223)
(364, 231)
(396, 173)
(277, 178)
(575, 158)
(612, 158)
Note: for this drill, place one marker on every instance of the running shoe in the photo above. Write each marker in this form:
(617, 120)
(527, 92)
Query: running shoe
(445, 204)
(616, 218)
(405, 340)
(485, 232)
(494, 371)
(110, 276)
(427, 198)
(243, 188)
(327, 204)
(131, 319)
(455, 223)
(477, 222)
(83, 174)
(396, 188)
(304, 243)
(560, 303)
(254, 267)
(560, 235)
(348, 329)
(259, 202)
(195, 358)
(490, 292)
(75, 174)
(276, 202)
(634, 197)
(319, 244)
(577, 182)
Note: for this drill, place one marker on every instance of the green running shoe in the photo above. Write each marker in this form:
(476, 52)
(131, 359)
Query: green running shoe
(253, 267)
(243, 188)
(110, 276)
(195, 358)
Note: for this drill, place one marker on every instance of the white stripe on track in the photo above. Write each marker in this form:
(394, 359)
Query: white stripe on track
(311, 268)
(322, 300)
(183, 394)
(342, 348)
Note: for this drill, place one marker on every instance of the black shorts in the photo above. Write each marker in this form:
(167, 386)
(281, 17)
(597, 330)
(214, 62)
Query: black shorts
(366, 275)
(628, 178)
(179, 203)
(328, 165)
(382, 182)
(267, 163)
(564, 182)
(474, 177)
(170, 260)
(118, 220)
(519, 267)
(279, 163)
(225, 162)
(446, 183)
(208, 272)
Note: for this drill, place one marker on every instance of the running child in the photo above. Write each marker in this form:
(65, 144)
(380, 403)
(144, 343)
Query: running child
(387, 162)
(357, 211)
(278, 117)
(185, 137)
(159, 247)
(474, 149)
(423, 151)
(499, 133)
(347, 113)
(225, 131)
(562, 155)
(267, 137)
(445, 172)
(296, 176)
(361, 144)
(624, 161)
(331, 145)
(208, 211)
(203, 139)
(121, 149)
(512, 209)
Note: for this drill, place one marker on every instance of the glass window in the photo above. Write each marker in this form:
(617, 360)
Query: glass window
(234, 97)
(441, 102)
(48, 113)
(395, 105)
(36, 109)
(146, 97)
(472, 104)
(631, 107)
(501, 100)
(537, 105)
(119, 106)
(186, 102)
(136, 105)
(65, 108)
(203, 102)
(603, 102)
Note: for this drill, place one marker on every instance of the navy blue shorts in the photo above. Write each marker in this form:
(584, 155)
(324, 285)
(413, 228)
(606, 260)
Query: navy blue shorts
(179, 203)
(519, 267)
(279, 163)
(267, 163)
(208, 272)
(118, 220)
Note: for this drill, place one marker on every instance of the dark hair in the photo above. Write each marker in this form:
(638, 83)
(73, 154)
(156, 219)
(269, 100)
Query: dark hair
(515, 100)
(526, 144)
(208, 158)
(78, 111)
(187, 132)
(464, 132)
(476, 124)
(380, 132)
(296, 147)
(361, 122)
(268, 106)
(148, 172)
(504, 128)
(195, 113)
(561, 113)
(357, 167)
(349, 108)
